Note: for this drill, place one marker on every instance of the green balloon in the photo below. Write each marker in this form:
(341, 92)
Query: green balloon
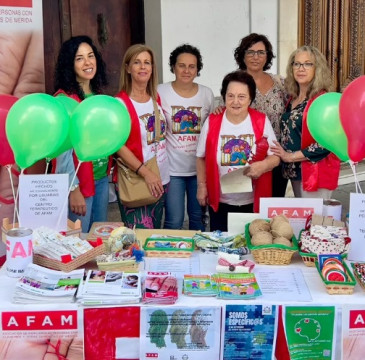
(325, 126)
(100, 126)
(70, 105)
(36, 126)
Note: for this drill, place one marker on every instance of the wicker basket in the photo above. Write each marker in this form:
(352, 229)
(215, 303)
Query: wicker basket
(72, 265)
(358, 279)
(339, 287)
(126, 266)
(274, 254)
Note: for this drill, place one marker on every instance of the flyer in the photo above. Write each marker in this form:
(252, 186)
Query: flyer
(310, 331)
(353, 332)
(180, 333)
(249, 332)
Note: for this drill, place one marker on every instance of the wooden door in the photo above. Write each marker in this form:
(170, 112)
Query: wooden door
(112, 24)
(337, 28)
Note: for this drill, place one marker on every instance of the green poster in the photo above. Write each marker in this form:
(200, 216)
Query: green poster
(309, 331)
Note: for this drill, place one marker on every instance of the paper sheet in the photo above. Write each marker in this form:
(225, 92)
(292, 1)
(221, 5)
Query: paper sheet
(236, 182)
(238, 221)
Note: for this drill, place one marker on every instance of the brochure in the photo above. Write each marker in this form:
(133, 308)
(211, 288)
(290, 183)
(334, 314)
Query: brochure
(160, 288)
(200, 285)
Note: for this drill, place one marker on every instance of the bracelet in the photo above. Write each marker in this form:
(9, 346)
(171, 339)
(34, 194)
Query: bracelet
(139, 168)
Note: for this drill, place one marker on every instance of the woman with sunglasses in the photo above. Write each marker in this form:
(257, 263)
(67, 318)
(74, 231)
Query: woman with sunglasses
(312, 170)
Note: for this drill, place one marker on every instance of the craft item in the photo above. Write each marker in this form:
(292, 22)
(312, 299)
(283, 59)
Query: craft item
(19, 251)
(231, 263)
(169, 246)
(359, 273)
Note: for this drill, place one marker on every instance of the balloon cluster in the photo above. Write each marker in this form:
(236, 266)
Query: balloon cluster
(337, 122)
(39, 126)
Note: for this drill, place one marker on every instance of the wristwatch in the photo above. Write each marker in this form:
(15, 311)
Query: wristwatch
(74, 187)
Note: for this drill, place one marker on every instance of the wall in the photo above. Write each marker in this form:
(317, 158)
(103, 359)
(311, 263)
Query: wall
(215, 27)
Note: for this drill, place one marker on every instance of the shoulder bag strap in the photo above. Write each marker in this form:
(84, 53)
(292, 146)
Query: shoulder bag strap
(157, 122)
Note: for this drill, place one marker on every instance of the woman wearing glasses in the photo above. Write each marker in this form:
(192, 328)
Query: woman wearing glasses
(312, 170)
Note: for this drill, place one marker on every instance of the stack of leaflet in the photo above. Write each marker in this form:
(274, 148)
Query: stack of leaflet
(237, 286)
(42, 285)
(200, 285)
(160, 288)
(110, 288)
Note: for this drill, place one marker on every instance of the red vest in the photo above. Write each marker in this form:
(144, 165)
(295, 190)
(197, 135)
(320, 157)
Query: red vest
(324, 173)
(85, 173)
(262, 186)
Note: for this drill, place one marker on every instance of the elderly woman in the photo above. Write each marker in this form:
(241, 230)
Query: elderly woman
(238, 132)
(312, 170)
(138, 91)
(186, 105)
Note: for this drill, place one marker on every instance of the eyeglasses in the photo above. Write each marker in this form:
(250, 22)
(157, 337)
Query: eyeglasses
(296, 65)
(252, 53)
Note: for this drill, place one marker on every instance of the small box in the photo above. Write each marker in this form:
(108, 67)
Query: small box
(169, 247)
(102, 230)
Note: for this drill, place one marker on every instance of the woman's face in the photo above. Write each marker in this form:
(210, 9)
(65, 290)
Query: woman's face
(255, 57)
(303, 68)
(237, 99)
(85, 63)
(186, 68)
(140, 68)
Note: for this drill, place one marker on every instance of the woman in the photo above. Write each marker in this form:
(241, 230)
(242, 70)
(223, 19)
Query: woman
(312, 170)
(186, 105)
(138, 84)
(238, 128)
(80, 73)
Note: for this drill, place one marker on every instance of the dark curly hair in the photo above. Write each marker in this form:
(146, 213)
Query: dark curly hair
(242, 77)
(246, 43)
(186, 49)
(65, 78)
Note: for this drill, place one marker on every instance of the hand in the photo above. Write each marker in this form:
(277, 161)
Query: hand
(256, 169)
(218, 110)
(202, 194)
(153, 182)
(279, 151)
(21, 63)
(77, 202)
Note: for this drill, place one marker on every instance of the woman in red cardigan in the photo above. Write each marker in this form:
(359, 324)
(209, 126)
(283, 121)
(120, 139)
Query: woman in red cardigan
(230, 141)
(312, 170)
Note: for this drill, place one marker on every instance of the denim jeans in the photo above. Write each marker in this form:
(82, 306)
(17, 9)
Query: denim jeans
(175, 204)
(96, 206)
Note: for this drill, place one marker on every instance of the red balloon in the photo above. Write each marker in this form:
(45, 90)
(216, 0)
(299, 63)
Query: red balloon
(6, 153)
(352, 116)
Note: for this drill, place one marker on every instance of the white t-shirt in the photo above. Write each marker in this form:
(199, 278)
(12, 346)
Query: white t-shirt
(185, 117)
(145, 113)
(236, 144)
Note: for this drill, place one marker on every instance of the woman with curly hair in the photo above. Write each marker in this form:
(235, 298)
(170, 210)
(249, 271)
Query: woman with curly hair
(312, 170)
(186, 105)
(80, 73)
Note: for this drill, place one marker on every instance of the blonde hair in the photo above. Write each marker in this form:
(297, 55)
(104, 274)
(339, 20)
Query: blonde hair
(125, 82)
(322, 73)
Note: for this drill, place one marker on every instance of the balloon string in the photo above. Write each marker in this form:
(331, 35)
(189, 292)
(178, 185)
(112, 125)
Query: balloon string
(68, 194)
(8, 168)
(16, 201)
(48, 160)
(357, 184)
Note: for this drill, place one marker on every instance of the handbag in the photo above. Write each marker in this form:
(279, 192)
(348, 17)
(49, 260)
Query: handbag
(132, 188)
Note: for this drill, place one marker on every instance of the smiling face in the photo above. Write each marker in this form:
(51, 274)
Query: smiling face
(140, 67)
(256, 62)
(237, 100)
(85, 63)
(186, 68)
(302, 75)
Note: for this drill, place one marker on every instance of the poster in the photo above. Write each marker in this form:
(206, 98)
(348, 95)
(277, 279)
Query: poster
(249, 332)
(310, 331)
(353, 332)
(176, 333)
(31, 334)
(357, 227)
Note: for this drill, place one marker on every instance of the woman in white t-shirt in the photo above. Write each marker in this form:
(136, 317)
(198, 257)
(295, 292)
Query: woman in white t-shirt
(138, 91)
(237, 138)
(186, 105)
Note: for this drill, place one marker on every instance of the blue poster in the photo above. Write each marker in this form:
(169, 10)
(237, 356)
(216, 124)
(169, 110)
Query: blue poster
(249, 332)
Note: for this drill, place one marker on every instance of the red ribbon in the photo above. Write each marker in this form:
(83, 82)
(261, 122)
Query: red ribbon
(56, 349)
(248, 263)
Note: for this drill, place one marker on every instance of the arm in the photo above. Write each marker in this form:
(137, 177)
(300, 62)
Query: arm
(152, 180)
(260, 167)
(202, 192)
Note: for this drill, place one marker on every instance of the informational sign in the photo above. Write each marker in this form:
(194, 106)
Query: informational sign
(249, 332)
(296, 210)
(310, 331)
(42, 201)
(357, 227)
(353, 332)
